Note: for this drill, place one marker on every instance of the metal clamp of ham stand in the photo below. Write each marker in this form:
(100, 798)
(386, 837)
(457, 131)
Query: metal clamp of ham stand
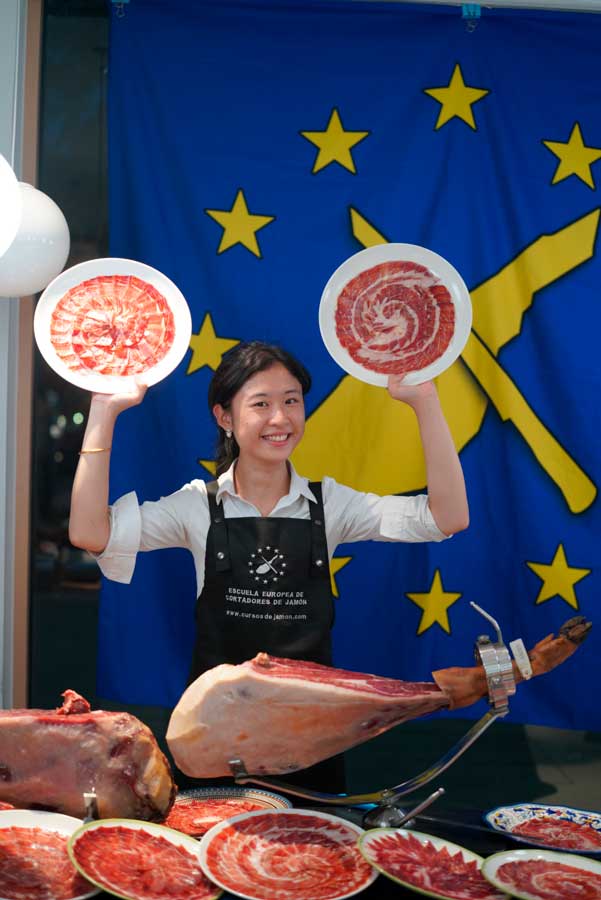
(496, 661)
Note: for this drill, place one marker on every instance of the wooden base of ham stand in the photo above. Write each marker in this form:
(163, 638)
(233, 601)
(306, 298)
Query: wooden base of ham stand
(496, 661)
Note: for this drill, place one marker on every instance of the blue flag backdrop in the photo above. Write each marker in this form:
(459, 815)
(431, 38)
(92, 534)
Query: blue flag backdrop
(254, 146)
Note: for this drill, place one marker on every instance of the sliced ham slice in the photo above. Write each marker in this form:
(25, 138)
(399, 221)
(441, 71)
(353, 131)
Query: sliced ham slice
(49, 758)
(281, 715)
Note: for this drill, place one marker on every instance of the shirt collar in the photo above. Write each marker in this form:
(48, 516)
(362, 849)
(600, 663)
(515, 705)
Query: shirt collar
(299, 486)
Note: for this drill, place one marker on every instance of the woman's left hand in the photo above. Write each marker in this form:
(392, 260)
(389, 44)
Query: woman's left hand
(409, 393)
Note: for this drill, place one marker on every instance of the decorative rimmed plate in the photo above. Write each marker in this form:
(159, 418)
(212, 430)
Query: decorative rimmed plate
(556, 827)
(140, 861)
(198, 809)
(394, 309)
(102, 323)
(32, 862)
(294, 853)
(544, 875)
(427, 864)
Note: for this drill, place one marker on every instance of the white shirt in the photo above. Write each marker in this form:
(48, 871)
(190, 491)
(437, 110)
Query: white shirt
(182, 520)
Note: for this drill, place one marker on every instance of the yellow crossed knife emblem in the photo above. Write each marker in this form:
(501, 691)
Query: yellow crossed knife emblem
(359, 425)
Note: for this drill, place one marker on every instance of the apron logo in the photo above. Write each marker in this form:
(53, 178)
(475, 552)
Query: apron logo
(266, 564)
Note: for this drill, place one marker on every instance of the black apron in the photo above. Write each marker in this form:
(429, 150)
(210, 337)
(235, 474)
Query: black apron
(267, 588)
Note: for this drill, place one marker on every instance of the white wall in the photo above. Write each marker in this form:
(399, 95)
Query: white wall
(12, 52)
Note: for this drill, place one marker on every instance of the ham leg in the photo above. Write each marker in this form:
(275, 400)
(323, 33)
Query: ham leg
(281, 715)
(49, 758)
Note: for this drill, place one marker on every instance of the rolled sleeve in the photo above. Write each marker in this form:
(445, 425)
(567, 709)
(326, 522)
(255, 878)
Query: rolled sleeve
(118, 559)
(409, 519)
(355, 516)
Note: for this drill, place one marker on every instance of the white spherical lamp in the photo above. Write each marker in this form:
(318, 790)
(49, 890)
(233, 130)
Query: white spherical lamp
(10, 205)
(40, 248)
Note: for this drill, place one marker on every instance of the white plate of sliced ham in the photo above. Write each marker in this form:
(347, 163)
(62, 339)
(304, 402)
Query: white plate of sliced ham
(427, 864)
(105, 322)
(198, 809)
(34, 862)
(295, 854)
(544, 875)
(395, 309)
(545, 825)
(140, 861)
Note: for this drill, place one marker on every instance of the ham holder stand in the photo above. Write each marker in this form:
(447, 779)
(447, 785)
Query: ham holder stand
(384, 812)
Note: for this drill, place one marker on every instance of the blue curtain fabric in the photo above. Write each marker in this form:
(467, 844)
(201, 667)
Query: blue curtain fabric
(254, 146)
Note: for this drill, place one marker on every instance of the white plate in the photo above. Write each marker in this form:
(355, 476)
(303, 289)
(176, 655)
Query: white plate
(367, 847)
(309, 878)
(174, 837)
(48, 821)
(491, 866)
(195, 797)
(373, 256)
(70, 278)
(506, 818)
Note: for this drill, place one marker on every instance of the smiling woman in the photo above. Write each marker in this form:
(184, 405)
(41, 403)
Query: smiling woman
(261, 532)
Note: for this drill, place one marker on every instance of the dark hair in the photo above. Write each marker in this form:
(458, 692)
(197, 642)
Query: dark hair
(236, 367)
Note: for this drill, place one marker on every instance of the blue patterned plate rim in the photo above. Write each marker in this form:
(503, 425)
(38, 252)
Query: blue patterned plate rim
(504, 818)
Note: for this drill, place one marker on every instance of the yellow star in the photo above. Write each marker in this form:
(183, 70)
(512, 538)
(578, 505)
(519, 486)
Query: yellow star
(575, 158)
(334, 144)
(335, 566)
(434, 605)
(209, 464)
(456, 99)
(207, 348)
(239, 226)
(558, 578)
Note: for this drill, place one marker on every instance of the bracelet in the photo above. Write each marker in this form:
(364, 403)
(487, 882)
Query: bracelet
(95, 450)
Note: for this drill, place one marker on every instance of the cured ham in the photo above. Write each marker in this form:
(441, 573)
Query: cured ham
(35, 865)
(395, 317)
(49, 758)
(195, 817)
(548, 880)
(141, 865)
(281, 715)
(435, 871)
(561, 833)
(112, 325)
(294, 855)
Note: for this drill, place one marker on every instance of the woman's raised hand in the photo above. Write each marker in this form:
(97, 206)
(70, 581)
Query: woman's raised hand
(116, 403)
(409, 393)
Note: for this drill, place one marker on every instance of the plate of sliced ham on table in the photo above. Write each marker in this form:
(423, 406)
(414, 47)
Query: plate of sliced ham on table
(34, 862)
(395, 309)
(557, 827)
(427, 864)
(105, 322)
(198, 809)
(140, 861)
(294, 854)
(544, 875)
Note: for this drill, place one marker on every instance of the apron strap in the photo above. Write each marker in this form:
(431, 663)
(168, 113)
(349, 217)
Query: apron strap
(319, 546)
(220, 541)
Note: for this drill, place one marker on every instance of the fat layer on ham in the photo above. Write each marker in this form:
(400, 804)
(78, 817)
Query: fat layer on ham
(281, 715)
(49, 758)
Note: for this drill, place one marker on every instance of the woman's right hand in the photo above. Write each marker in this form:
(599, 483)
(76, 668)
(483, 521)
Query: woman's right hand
(116, 403)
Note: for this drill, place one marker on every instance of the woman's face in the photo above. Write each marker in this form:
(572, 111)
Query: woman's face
(267, 415)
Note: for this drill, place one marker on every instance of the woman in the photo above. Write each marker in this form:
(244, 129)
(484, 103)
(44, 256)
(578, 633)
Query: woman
(261, 532)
